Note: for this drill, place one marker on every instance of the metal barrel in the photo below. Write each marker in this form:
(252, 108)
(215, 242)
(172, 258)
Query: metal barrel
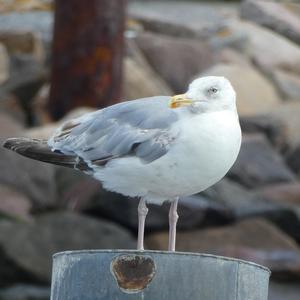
(155, 275)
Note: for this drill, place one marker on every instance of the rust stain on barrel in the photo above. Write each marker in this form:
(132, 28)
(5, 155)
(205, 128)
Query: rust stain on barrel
(133, 272)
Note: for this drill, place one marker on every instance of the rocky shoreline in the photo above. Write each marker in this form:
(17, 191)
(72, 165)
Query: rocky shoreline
(253, 213)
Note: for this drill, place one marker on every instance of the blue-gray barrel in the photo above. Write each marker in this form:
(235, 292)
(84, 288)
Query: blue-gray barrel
(155, 275)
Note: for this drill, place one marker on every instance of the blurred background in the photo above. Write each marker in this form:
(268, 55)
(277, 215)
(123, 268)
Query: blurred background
(103, 51)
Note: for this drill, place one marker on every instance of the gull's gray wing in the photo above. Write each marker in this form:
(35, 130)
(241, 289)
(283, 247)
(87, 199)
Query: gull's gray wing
(139, 127)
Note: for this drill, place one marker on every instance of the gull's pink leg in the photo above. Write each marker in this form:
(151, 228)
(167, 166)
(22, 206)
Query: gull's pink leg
(173, 217)
(142, 212)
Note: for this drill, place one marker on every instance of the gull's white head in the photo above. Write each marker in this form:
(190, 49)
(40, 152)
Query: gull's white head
(205, 94)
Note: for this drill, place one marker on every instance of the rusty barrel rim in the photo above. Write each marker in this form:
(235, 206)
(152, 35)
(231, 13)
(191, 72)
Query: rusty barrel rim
(145, 252)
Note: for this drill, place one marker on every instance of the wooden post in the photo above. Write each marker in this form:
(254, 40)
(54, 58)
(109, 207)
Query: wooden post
(153, 275)
(87, 54)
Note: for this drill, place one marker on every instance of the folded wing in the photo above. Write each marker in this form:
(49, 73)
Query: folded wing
(138, 128)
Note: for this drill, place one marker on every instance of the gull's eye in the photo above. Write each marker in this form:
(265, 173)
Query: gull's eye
(213, 90)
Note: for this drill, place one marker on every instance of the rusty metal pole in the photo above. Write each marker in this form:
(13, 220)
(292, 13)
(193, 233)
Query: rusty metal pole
(155, 275)
(87, 54)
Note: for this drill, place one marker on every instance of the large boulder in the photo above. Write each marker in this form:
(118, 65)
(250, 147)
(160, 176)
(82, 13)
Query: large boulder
(14, 204)
(8, 126)
(23, 6)
(10, 107)
(33, 21)
(138, 83)
(184, 19)
(231, 56)
(287, 83)
(32, 178)
(288, 113)
(26, 76)
(273, 128)
(75, 190)
(274, 16)
(30, 246)
(140, 80)
(47, 128)
(284, 290)
(179, 66)
(241, 202)
(193, 211)
(292, 6)
(259, 164)
(255, 93)
(281, 52)
(255, 240)
(23, 42)
(293, 160)
(4, 64)
(286, 196)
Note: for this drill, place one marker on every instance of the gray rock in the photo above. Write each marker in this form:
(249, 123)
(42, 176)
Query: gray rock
(273, 128)
(75, 190)
(282, 53)
(14, 204)
(288, 113)
(206, 22)
(286, 195)
(293, 160)
(11, 272)
(259, 164)
(138, 83)
(284, 290)
(203, 19)
(292, 6)
(56, 232)
(228, 38)
(4, 64)
(268, 202)
(288, 84)
(8, 126)
(11, 5)
(272, 15)
(32, 178)
(35, 21)
(193, 212)
(41, 132)
(240, 201)
(39, 107)
(179, 66)
(140, 80)
(253, 239)
(25, 292)
(46, 127)
(26, 77)
(10, 107)
(24, 70)
(255, 93)
(23, 42)
(233, 57)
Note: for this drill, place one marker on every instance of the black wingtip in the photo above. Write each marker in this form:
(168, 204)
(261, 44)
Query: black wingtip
(20, 144)
(39, 150)
(9, 143)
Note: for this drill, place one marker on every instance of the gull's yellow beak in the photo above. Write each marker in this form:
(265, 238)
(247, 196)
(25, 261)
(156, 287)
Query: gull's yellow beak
(179, 100)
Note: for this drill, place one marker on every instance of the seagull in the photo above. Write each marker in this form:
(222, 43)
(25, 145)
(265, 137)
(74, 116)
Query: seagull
(157, 148)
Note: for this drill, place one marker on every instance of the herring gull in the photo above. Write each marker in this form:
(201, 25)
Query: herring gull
(157, 148)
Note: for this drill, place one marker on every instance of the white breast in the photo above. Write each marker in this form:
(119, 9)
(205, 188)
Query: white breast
(205, 150)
